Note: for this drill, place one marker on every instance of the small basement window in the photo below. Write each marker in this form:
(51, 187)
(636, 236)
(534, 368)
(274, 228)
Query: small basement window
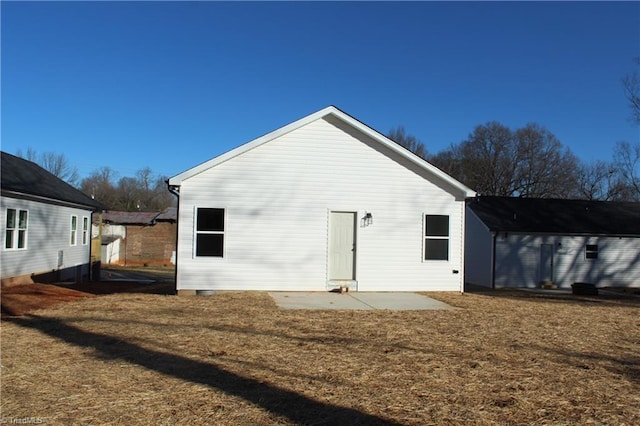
(209, 232)
(436, 237)
(591, 252)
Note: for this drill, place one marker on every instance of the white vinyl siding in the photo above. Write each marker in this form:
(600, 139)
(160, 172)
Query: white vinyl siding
(48, 234)
(518, 260)
(278, 197)
(478, 250)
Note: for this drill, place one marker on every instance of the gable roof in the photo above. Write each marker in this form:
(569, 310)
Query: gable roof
(555, 216)
(346, 118)
(23, 178)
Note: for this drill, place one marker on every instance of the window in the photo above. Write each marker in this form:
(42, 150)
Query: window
(436, 237)
(210, 232)
(591, 251)
(74, 230)
(16, 230)
(85, 231)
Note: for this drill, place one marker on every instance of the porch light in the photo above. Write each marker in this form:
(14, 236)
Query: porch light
(367, 219)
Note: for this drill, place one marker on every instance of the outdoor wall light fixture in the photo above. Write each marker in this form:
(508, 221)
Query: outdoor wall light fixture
(367, 219)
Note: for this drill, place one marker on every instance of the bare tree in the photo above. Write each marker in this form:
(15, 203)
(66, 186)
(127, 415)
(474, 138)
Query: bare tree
(631, 84)
(545, 169)
(100, 185)
(484, 162)
(129, 194)
(528, 162)
(145, 192)
(410, 142)
(626, 159)
(598, 181)
(30, 155)
(56, 164)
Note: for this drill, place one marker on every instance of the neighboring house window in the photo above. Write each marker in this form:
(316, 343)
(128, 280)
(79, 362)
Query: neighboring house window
(16, 233)
(74, 230)
(591, 251)
(85, 231)
(436, 237)
(210, 232)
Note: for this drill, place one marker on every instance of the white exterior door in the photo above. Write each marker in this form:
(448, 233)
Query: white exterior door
(342, 246)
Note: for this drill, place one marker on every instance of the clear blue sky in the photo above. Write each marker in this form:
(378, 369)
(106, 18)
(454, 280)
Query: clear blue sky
(169, 85)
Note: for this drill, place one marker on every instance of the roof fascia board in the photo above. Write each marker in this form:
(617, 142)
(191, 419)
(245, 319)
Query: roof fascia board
(41, 199)
(563, 234)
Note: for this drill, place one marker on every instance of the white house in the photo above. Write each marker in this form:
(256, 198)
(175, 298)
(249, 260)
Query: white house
(46, 225)
(322, 203)
(524, 242)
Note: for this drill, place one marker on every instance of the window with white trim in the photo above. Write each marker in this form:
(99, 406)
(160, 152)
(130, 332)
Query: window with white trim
(209, 232)
(436, 237)
(73, 239)
(15, 237)
(85, 231)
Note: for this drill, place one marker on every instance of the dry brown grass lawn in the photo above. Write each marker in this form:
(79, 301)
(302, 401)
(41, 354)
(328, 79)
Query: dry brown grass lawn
(236, 359)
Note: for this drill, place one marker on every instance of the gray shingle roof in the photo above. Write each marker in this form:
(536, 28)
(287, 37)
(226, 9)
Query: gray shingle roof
(140, 218)
(555, 216)
(25, 177)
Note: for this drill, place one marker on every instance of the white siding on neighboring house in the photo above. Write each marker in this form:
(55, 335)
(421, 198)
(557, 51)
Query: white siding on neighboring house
(111, 252)
(278, 198)
(478, 252)
(519, 260)
(48, 240)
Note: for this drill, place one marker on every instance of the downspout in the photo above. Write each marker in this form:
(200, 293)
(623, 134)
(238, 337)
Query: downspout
(464, 245)
(493, 261)
(175, 190)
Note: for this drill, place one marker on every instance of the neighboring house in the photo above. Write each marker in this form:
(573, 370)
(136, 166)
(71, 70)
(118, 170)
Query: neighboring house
(524, 242)
(45, 225)
(323, 203)
(137, 238)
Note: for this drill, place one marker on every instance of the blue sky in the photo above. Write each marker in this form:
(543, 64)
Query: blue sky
(168, 85)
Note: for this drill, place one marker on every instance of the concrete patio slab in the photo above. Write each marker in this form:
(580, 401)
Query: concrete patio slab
(356, 301)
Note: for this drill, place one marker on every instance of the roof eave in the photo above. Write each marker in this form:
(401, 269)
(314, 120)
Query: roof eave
(39, 198)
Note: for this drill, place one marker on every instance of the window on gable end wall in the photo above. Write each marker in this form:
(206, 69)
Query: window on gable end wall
(436, 237)
(210, 228)
(591, 251)
(73, 238)
(16, 229)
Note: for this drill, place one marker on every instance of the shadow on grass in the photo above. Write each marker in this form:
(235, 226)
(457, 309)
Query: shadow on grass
(605, 298)
(276, 400)
(111, 287)
(628, 367)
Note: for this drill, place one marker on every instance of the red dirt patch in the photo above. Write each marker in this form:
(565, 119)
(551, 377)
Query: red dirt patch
(24, 298)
